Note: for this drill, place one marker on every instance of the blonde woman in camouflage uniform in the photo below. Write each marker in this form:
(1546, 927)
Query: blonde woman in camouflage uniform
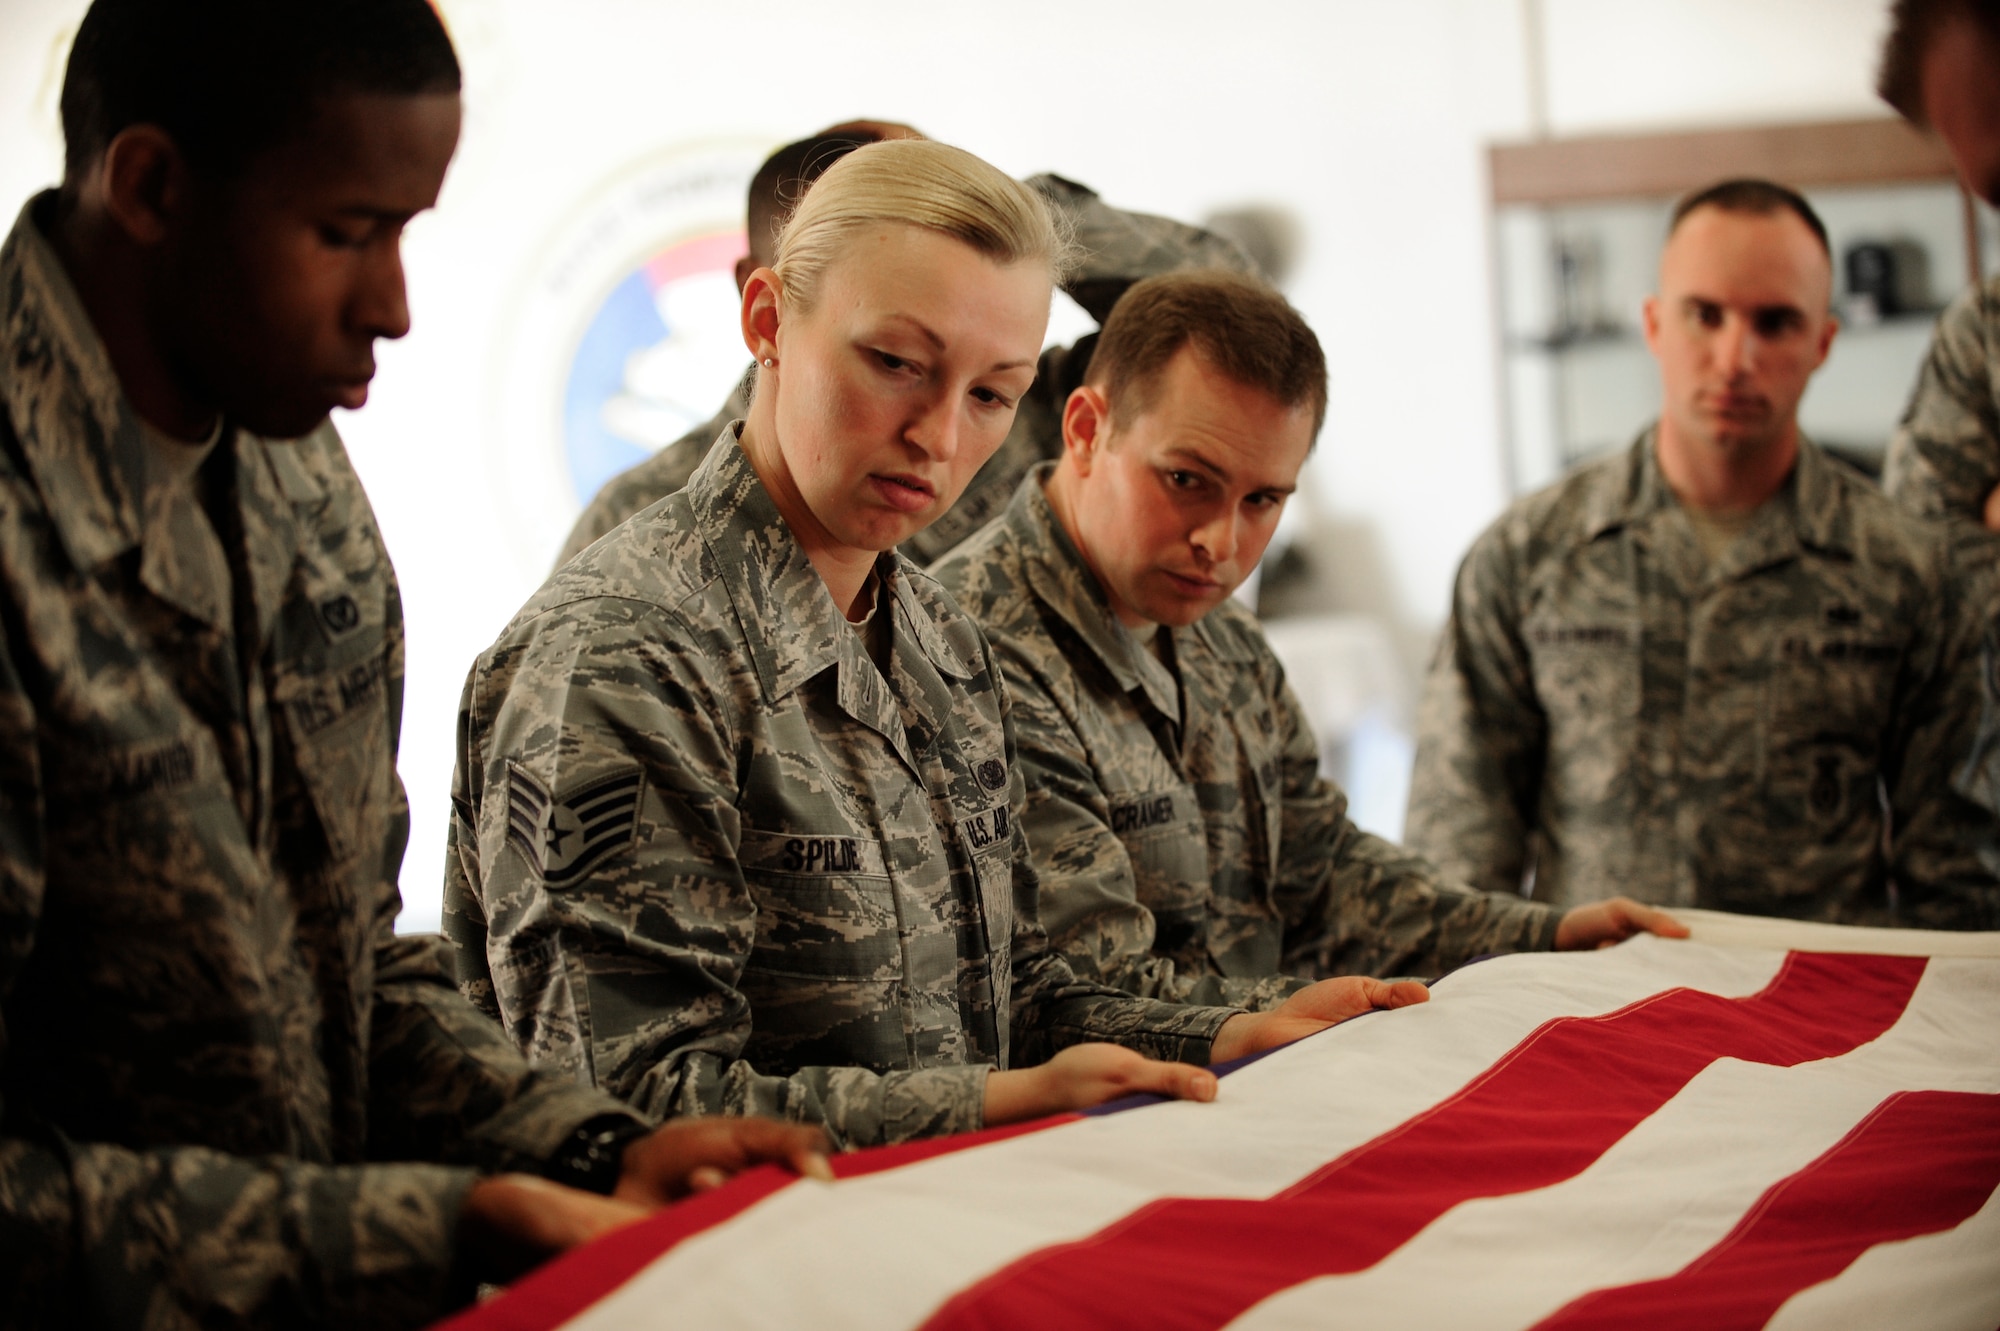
(734, 813)
(1115, 249)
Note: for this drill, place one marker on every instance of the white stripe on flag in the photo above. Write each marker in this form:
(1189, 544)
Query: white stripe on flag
(1720, 929)
(885, 1250)
(1699, 1164)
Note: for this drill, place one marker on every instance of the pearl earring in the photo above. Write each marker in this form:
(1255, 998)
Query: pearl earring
(770, 363)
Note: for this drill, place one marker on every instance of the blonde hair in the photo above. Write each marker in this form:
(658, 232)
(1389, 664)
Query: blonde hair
(918, 182)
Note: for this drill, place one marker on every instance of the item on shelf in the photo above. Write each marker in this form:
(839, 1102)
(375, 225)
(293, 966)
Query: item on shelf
(1885, 279)
(1579, 262)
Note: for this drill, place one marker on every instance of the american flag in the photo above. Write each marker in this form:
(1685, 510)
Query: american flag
(1773, 1125)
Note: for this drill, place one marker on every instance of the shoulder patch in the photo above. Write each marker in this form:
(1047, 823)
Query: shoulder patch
(563, 838)
(340, 615)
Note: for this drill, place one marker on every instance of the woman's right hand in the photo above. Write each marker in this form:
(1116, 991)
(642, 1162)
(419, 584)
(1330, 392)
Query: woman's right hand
(1085, 1075)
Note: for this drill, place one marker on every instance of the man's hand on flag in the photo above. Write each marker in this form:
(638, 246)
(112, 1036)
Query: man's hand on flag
(687, 1155)
(511, 1223)
(1602, 923)
(1311, 1009)
(1085, 1075)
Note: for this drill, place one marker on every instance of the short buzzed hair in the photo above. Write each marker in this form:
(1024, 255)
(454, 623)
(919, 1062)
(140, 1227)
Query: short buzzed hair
(1913, 26)
(1239, 326)
(785, 176)
(228, 79)
(1759, 198)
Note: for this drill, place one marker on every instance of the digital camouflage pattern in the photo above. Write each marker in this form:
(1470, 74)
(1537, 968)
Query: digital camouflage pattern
(705, 856)
(210, 1028)
(1201, 859)
(1943, 463)
(1945, 457)
(1118, 249)
(1723, 736)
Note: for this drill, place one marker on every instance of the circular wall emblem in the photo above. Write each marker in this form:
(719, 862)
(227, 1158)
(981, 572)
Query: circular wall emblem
(622, 335)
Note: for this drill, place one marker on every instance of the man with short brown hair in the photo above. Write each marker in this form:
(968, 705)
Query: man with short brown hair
(1187, 846)
(1717, 669)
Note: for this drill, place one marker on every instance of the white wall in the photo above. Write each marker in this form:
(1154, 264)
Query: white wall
(1364, 120)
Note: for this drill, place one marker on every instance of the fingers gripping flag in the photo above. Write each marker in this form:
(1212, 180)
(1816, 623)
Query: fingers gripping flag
(1661, 1134)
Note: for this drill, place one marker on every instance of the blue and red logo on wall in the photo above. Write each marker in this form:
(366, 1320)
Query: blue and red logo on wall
(621, 334)
(657, 359)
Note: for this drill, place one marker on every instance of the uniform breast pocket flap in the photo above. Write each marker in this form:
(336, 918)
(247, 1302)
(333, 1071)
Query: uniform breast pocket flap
(1164, 837)
(1586, 677)
(826, 907)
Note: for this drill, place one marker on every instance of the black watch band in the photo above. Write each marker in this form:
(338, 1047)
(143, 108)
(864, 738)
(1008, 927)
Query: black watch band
(594, 1155)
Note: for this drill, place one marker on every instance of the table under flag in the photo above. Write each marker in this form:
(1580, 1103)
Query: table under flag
(1773, 1124)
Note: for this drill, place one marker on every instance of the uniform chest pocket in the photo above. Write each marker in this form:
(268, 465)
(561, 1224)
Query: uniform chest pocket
(826, 908)
(988, 837)
(117, 809)
(338, 722)
(1586, 676)
(1828, 699)
(1840, 684)
(1163, 837)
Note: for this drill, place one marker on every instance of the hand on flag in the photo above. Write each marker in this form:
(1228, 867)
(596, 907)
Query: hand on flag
(687, 1155)
(511, 1223)
(1602, 923)
(1310, 1010)
(1086, 1075)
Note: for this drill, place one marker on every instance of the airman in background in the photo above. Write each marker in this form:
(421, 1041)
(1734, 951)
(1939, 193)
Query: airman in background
(1718, 669)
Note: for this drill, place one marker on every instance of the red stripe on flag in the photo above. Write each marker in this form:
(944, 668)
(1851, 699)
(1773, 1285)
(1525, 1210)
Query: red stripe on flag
(1539, 1115)
(1922, 1162)
(564, 1287)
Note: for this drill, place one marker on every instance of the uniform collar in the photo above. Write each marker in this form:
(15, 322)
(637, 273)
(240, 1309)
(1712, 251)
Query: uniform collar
(791, 624)
(86, 449)
(79, 436)
(1812, 509)
(1063, 582)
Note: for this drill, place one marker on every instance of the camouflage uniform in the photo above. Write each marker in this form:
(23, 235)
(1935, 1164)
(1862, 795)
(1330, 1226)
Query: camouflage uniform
(209, 1025)
(1943, 462)
(1119, 249)
(1945, 458)
(704, 855)
(1723, 736)
(1199, 860)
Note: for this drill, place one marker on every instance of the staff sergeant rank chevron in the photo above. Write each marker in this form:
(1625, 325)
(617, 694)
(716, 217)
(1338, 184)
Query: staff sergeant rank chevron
(562, 839)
